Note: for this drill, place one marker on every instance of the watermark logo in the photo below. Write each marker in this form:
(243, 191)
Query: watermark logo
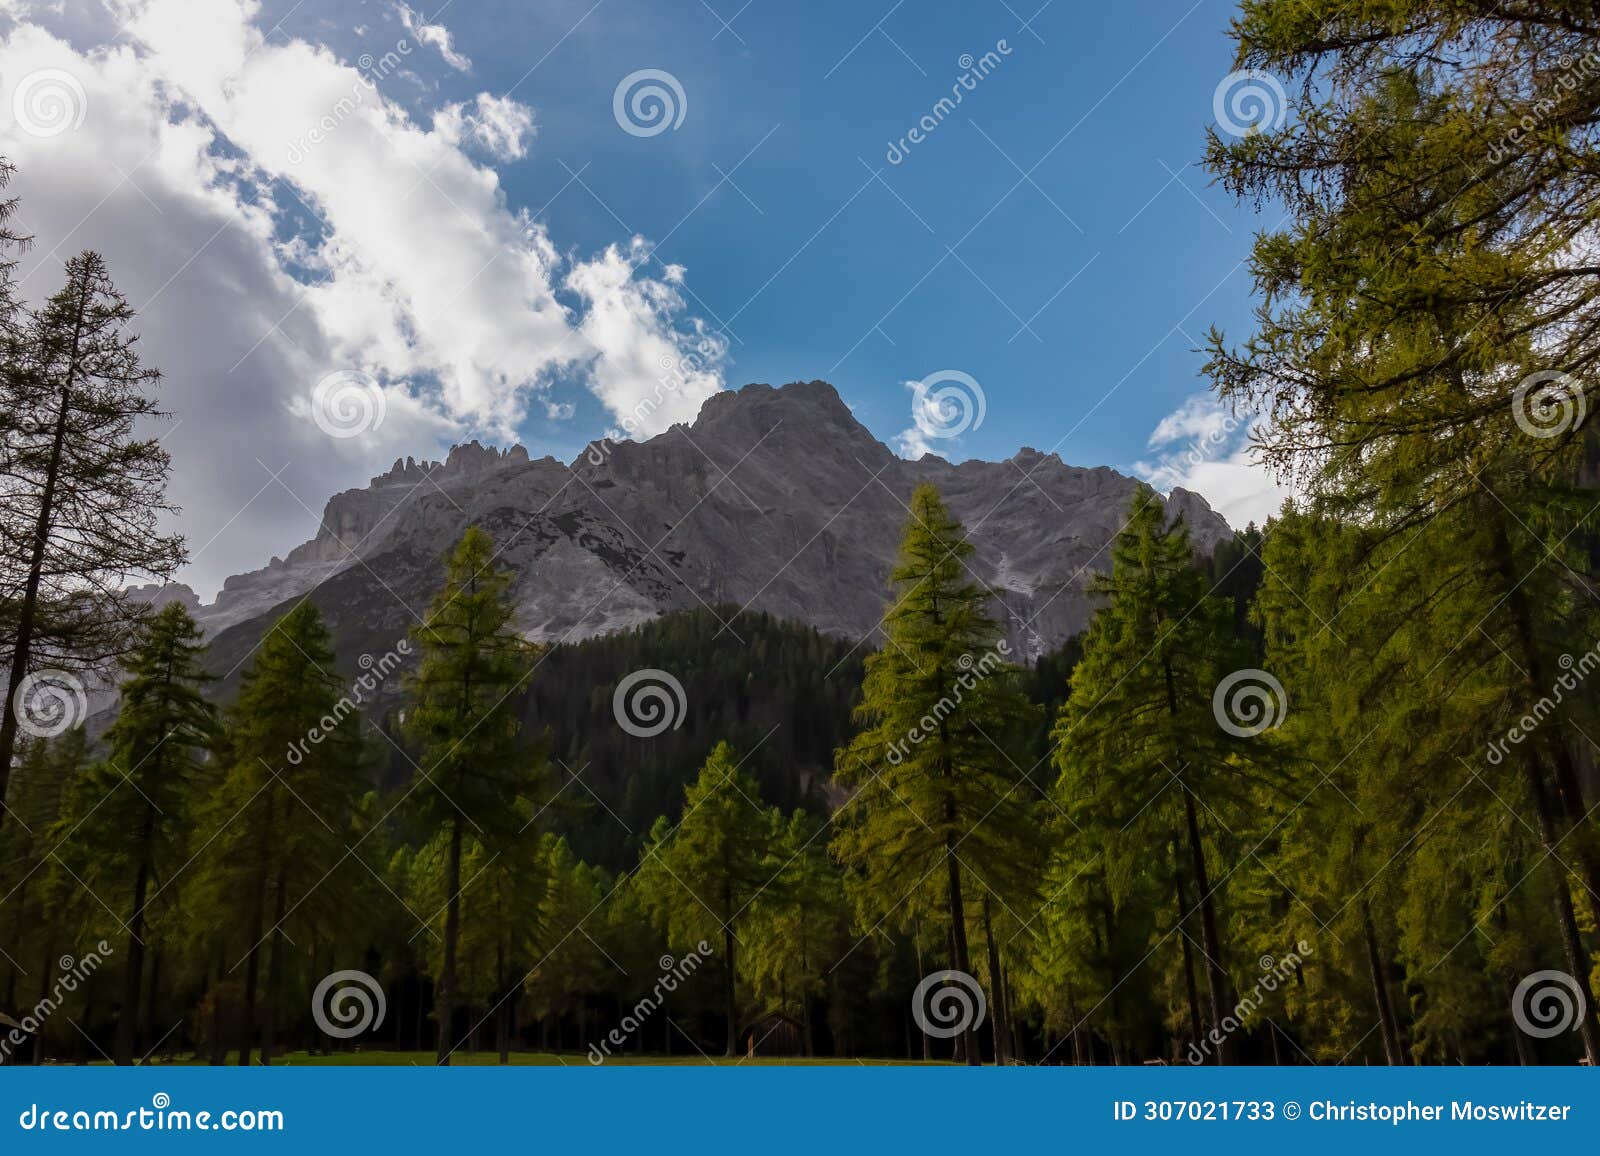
(1274, 974)
(1548, 404)
(48, 102)
(649, 102)
(1571, 73)
(347, 403)
(73, 973)
(1575, 671)
(648, 702)
(947, 404)
(973, 671)
(1548, 1003)
(673, 972)
(373, 69)
(1248, 702)
(374, 672)
(347, 1003)
(973, 70)
(50, 703)
(948, 1003)
(677, 371)
(1249, 101)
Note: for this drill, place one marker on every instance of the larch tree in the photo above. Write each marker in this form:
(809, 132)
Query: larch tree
(1140, 743)
(282, 820)
(505, 920)
(143, 798)
(799, 929)
(462, 713)
(934, 796)
(84, 486)
(1427, 335)
(703, 877)
(34, 917)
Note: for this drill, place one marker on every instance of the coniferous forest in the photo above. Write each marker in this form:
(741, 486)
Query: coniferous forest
(1325, 794)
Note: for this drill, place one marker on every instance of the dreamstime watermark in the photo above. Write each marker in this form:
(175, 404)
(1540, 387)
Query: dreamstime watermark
(73, 972)
(348, 403)
(675, 374)
(649, 102)
(1248, 702)
(648, 702)
(49, 703)
(161, 1116)
(973, 671)
(947, 404)
(375, 671)
(1208, 445)
(673, 972)
(48, 102)
(372, 70)
(1274, 974)
(347, 1003)
(947, 1003)
(1577, 669)
(1249, 101)
(1548, 1003)
(973, 70)
(1548, 404)
(1573, 72)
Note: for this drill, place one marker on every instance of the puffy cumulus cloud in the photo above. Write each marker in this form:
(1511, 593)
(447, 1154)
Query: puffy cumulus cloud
(1202, 446)
(913, 442)
(275, 219)
(645, 371)
(498, 125)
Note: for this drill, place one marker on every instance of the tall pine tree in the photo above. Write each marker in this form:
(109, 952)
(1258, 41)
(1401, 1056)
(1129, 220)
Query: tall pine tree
(462, 713)
(934, 795)
(146, 792)
(83, 486)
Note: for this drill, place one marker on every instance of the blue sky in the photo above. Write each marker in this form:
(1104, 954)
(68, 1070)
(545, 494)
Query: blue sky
(819, 270)
(438, 206)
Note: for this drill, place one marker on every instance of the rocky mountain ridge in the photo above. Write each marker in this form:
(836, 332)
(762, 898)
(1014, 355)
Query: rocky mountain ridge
(775, 499)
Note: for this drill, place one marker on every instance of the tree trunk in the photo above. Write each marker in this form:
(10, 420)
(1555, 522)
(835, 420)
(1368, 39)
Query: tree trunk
(731, 990)
(1191, 990)
(1540, 681)
(1386, 1025)
(958, 939)
(1566, 921)
(1017, 1054)
(269, 1023)
(128, 1023)
(27, 605)
(252, 972)
(1216, 980)
(446, 996)
(219, 1046)
(1525, 1056)
(998, 1024)
(916, 939)
(502, 987)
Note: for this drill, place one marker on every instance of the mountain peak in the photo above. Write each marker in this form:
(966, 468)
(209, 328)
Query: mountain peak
(814, 400)
(775, 498)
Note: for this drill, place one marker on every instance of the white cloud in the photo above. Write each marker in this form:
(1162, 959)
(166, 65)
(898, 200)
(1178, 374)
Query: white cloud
(497, 124)
(943, 407)
(1199, 418)
(1205, 448)
(436, 35)
(644, 368)
(274, 218)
